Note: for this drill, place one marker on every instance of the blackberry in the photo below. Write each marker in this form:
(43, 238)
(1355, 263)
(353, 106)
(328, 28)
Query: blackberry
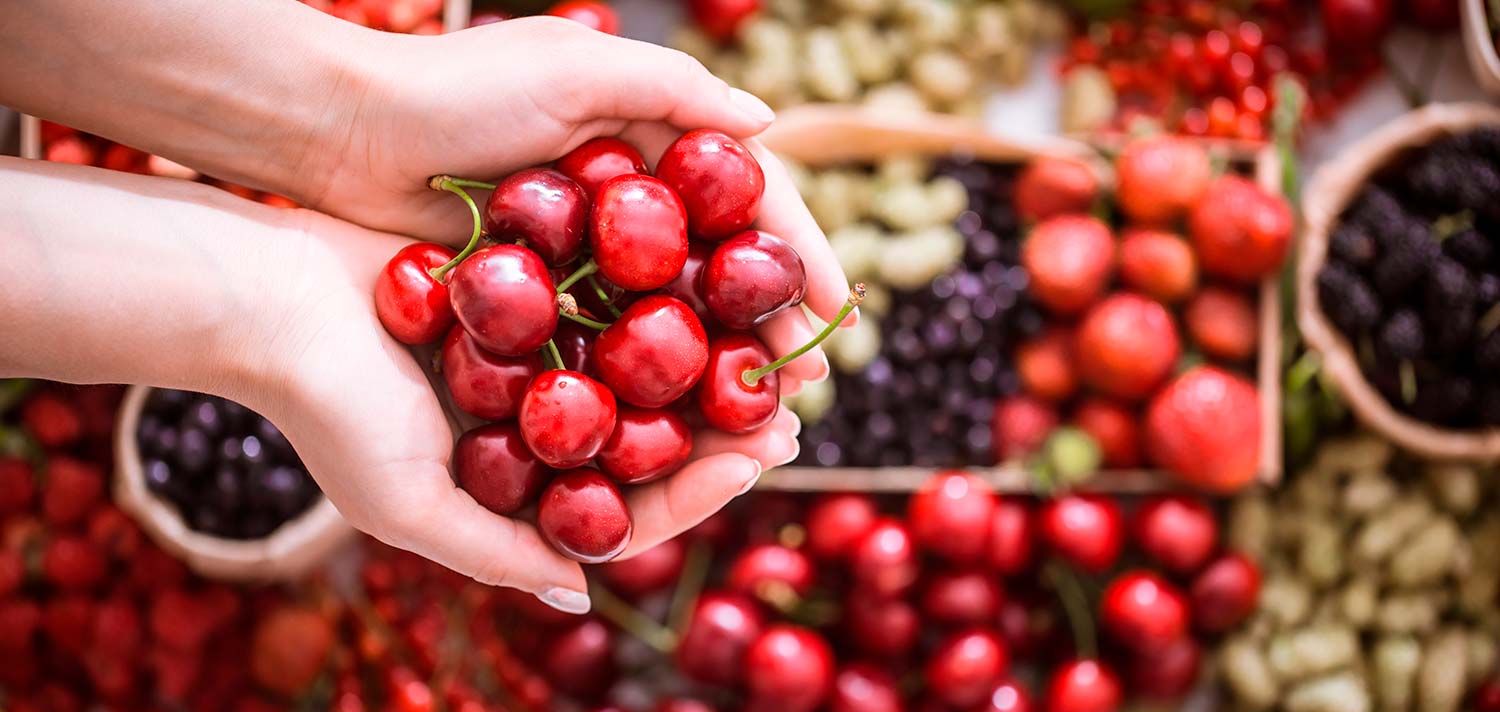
(1470, 248)
(1404, 263)
(1448, 178)
(1354, 245)
(1401, 337)
(1487, 290)
(1347, 299)
(1487, 405)
(1446, 400)
(1378, 211)
(1487, 352)
(1448, 288)
(1452, 333)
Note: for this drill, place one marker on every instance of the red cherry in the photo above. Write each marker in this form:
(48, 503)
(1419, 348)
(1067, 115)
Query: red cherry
(750, 278)
(950, 516)
(885, 560)
(962, 598)
(494, 466)
(721, 19)
(1176, 531)
(719, 182)
(583, 516)
(599, 159)
(771, 572)
(592, 14)
(482, 384)
(881, 626)
(719, 633)
(505, 299)
(581, 659)
(1487, 697)
(862, 687)
(575, 344)
(543, 207)
(1008, 696)
(639, 232)
(1029, 626)
(1143, 611)
(688, 285)
(1166, 674)
(412, 305)
(566, 417)
(1011, 537)
(726, 401)
(1083, 686)
(647, 444)
(654, 353)
(1225, 593)
(836, 522)
(966, 667)
(789, 667)
(648, 572)
(1083, 529)
(679, 704)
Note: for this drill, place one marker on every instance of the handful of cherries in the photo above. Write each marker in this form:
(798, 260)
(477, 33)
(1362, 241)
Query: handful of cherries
(581, 332)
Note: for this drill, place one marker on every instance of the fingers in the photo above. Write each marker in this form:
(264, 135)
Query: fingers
(668, 507)
(772, 446)
(788, 331)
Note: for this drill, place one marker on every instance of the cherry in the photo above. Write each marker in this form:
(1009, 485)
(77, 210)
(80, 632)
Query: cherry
(580, 659)
(885, 560)
(862, 687)
(772, 573)
(688, 285)
(482, 384)
(1008, 696)
(1083, 529)
(654, 353)
(575, 344)
(961, 598)
(505, 299)
(751, 277)
(584, 517)
(789, 667)
(647, 444)
(648, 572)
(966, 667)
(721, 19)
(950, 516)
(1225, 593)
(1487, 697)
(412, 305)
(599, 159)
(566, 417)
(719, 182)
(592, 14)
(1143, 611)
(542, 207)
(679, 704)
(1030, 626)
(719, 633)
(881, 625)
(836, 522)
(1176, 531)
(1083, 686)
(639, 232)
(1011, 537)
(1168, 673)
(494, 466)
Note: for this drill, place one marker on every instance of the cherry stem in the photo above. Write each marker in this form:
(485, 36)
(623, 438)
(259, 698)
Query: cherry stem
(452, 185)
(1076, 608)
(466, 183)
(583, 270)
(567, 307)
(632, 620)
(689, 586)
(856, 296)
(599, 292)
(554, 358)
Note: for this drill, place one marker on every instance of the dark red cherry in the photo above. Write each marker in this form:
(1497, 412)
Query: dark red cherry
(751, 277)
(1177, 531)
(1084, 686)
(687, 285)
(412, 306)
(790, 668)
(719, 632)
(598, 160)
(494, 466)
(1225, 593)
(862, 687)
(725, 400)
(543, 207)
(1143, 612)
(885, 560)
(654, 353)
(639, 232)
(962, 598)
(836, 522)
(719, 181)
(584, 517)
(575, 343)
(505, 298)
(1084, 530)
(647, 444)
(1012, 537)
(1165, 674)
(950, 516)
(566, 417)
(966, 667)
(648, 572)
(880, 625)
(682, 704)
(771, 572)
(1008, 696)
(581, 659)
(482, 384)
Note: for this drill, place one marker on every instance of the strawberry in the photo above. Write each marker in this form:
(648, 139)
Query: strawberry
(19, 620)
(1049, 187)
(17, 485)
(72, 489)
(73, 563)
(12, 572)
(290, 649)
(176, 671)
(118, 629)
(154, 570)
(181, 621)
(1045, 365)
(1114, 427)
(114, 533)
(68, 623)
(1205, 427)
(1222, 323)
(53, 421)
(1159, 177)
(1069, 259)
(1126, 346)
(1021, 425)
(1241, 232)
(1158, 264)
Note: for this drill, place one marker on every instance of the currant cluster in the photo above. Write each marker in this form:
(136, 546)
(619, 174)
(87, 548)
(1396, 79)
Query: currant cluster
(594, 238)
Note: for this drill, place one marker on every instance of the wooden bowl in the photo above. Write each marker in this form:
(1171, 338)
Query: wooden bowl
(1479, 45)
(1333, 187)
(294, 548)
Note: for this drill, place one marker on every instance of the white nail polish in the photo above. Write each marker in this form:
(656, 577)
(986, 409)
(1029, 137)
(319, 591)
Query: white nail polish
(566, 600)
(752, 105)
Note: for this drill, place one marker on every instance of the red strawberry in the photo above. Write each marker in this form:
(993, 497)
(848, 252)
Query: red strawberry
(1114, 427)
(181, 621)
(290, 649)
(1045, 365)
(73, 563)
(117, 628)
(1126, 346)
(1049, 187)
(1021, 425)
(53, 421)
(1069, 259)
(1241, 232)
(68, 623)
(1158, 264)
(17, 485)
(176, 671)
(1222, 323)
(1205, 427)
(154, 570)
(114, 533)
(1158, 178)
(71, 490)
(19, 620)
(12, 571)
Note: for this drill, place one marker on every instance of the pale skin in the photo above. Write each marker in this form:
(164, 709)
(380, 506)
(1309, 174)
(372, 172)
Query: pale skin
(119, 278)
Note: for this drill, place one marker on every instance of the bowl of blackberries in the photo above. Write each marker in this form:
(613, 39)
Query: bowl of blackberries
(1399, 279)
(219, 486)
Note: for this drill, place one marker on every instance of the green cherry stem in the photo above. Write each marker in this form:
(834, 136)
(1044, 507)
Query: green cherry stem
(583, 270)
(856, 296)
(553, 356)
(599, 292)
(452, 185)
(466, 183)
(567, 307)
(1075, 607)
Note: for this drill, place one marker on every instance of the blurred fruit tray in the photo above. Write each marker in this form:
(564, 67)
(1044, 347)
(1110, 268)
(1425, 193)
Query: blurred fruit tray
(825, 135)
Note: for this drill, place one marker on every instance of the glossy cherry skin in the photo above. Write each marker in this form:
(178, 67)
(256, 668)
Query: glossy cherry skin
(962, 598)
(639, 232)
(885, 561)
(789, 667)
(862, 687)
(1012, 536)
(688, 284)
(1084, 686)
(599, 159)
(750, 277)
(836, 522)
(580, 659)
(719, 633)
(950, 516)
(1225, 593)
(771, 572)
(881, 626)
(504, 297)
(648, 572)
(592, 14)
(719, 182)
(725, 400)
(482, 384)
(1165, 674)
(966, 666)
(647, 444)
(1084, 530)
(412, 306)
(584, 517)
(494, 466)
(566, 417)
(1143, 612)
(543, 207)
(1178, 532)
(1007, 696)
(654, 353)
(575, 343)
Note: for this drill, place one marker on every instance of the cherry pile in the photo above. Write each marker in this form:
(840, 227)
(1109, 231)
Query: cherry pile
(579, 331)
(593, 14)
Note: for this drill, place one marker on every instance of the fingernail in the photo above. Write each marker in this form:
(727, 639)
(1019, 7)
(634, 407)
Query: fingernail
(796, 450)
(796, 426)
(752, 105)
(566, 600)
(750, 483)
